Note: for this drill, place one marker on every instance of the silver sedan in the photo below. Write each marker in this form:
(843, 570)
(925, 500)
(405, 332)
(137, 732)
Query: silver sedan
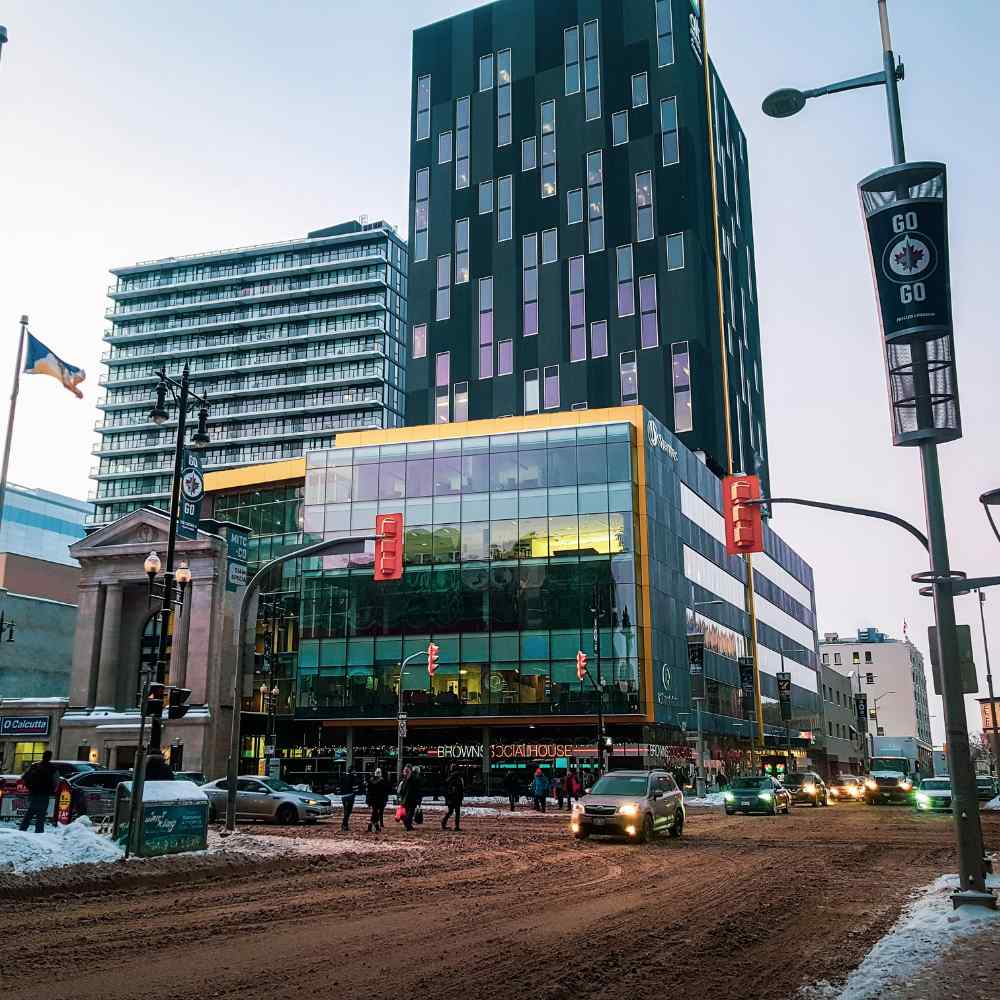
(267, 799)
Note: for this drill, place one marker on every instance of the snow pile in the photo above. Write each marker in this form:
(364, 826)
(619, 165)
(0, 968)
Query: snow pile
(926, 929)
(993, 804)
(74, 844)
(263, 846)
(169, 791)
(713, 800)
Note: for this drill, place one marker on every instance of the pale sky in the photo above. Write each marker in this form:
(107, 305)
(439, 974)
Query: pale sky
(133, 131)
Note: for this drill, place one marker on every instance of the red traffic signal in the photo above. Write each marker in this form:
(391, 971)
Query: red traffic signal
(581, 666)
(432, 658)
(744, 523)
(388, 547)
(154, 700)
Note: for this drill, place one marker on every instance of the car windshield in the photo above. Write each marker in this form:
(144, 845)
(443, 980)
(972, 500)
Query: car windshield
(985, 782)
(936, 784)
(276, 785)
(798, 777)
(752, 783)
(621, 784)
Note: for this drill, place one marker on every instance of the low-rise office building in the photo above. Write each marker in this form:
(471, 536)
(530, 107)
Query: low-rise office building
(842, 745)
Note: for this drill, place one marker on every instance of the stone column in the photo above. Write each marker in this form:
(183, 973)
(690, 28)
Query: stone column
(83, 686)
(107, 670)
(198, 651)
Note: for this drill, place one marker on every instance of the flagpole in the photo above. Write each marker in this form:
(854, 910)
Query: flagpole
(10, 418)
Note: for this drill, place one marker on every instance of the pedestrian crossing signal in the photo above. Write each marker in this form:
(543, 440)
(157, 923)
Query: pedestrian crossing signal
(432, 659)
(581, 666)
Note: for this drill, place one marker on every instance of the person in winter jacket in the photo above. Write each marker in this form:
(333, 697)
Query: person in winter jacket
(512, 786)
(41, 779)
(454, 793)
(348, 792)
(559, 788)
(539, 790)
(377, 797)
(413, 795)
(573, 788)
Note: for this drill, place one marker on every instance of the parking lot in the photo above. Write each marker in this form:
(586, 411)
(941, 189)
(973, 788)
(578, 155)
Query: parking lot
(511, 907)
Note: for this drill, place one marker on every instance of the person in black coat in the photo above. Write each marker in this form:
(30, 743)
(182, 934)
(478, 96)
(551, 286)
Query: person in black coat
(413, 795)
(348, 791)
(454, 794)
(377, 798)
(512, 786)
(40, 779)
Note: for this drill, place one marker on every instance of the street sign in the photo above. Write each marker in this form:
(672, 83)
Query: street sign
(861, 711)
(191, 494)
(785, 694)
(966, 660)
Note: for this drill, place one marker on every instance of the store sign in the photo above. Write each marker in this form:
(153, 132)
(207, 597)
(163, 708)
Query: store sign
(192, 494)
(747, 686)
(657, 440)
(861, 711)
(785, 694)
(694, 29)
(24, 725)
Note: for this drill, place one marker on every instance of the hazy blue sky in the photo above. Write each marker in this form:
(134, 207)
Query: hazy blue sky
(130, 131)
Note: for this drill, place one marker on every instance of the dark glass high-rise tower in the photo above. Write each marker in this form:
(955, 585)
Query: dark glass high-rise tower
(561, 223)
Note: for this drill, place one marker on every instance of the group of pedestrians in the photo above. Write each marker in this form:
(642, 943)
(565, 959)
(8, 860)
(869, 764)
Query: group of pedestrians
(409, 798)
(564, 789)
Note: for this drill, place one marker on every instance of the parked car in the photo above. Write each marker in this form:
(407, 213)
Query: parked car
(758, 794)
(193, 776)
(633, 804)
(986, 788)
(67, 768)
(806, 788)
(933, 794)
(93, 792)
(846, 788)
(267, 799)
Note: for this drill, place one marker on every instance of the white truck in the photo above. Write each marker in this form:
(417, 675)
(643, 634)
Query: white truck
(895, 767)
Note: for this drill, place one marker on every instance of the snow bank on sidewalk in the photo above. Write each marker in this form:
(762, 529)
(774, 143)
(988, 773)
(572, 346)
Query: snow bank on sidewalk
(264, 846)
(993, 804)
(74, 844)
(713, 800)
(926, 929)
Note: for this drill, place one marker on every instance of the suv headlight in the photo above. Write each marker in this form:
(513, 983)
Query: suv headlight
(766, 796)
(629, 809)
(923, 800)
(809, 788)
(728, 796)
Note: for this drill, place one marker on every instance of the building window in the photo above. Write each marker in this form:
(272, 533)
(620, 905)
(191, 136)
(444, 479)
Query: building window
(461, 402)
(443, 304)
(592, 70)
(680, 363)
(548, 114)
(421, 214)
(599, 339)
(571, 47)
(503, 98)
(836, 659)
(485, 197)
(550, 246)
(574, 206)
(462, 143)
(629, 378)
(640, 90)
(531, 390)
(423, 107)
(486, 72)
(868, 656)
(669, 143)
(505, 357)
(856, 658)
(644, 206)
(595, 199)
(664, 34)
(648, 328)
(529, 148)
(505, 209)
(550, 387)
(444, 147)
(619, 128)
(486, 328)
(626, 282)
(529, 284)
(675, 253)
(442, 382)
(461, 251)
(826, 659)
(419, 345)
(577, 310)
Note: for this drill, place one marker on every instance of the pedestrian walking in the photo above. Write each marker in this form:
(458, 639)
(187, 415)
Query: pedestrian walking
(454, 793)
(413, 795)
(512, 786)
(559, 786)
(40, 780)
(539, 790)
(348, 791)
(573, 788)
(377, 796)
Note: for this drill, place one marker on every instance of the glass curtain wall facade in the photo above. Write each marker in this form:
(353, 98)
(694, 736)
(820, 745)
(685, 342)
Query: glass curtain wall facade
(601, 161)
(292, 342)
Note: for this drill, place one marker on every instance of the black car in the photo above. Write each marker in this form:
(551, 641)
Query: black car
(93, 792)
(762, 794)
(68, 768)
(806, 788)
(986, 788)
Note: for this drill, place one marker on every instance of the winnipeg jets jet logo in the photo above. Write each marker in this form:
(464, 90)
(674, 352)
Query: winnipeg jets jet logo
(909, 258)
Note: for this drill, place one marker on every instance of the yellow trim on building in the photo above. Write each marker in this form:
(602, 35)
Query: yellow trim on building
(265, 474)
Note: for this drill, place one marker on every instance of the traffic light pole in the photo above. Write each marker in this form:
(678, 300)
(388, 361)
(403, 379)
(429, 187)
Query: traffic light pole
(400, 721)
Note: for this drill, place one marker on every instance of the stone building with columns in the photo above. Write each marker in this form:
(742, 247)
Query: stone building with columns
(116, 636)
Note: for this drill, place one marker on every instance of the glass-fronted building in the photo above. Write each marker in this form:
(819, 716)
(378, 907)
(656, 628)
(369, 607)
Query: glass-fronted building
(292, 342)
(515, 532)
(41, 524)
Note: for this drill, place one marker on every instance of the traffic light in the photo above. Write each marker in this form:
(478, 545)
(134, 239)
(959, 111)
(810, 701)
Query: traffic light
(581, 666)
(154, 701)
(432, 659)
(744, 523)
(176, 709)
(388, 547)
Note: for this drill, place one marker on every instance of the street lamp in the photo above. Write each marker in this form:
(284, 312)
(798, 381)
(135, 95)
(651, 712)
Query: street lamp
(905, 212)
(994, 736)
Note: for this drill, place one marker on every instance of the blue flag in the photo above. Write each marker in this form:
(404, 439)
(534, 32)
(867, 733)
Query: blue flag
(41, 361)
